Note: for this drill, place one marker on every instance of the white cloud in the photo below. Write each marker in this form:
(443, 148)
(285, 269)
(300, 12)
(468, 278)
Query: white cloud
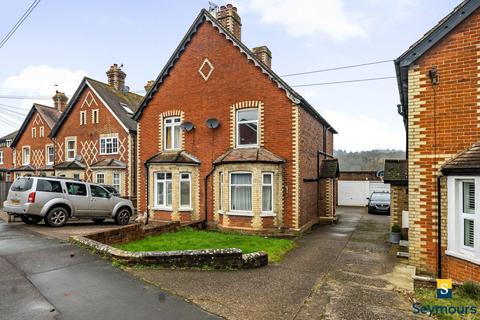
(357, 132)
(310, 17)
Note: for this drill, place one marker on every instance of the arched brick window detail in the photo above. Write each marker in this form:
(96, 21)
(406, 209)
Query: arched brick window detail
(161, 117)
(233, 120)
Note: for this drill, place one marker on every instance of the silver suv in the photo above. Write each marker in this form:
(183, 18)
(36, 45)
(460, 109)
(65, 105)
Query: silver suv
(57, 199)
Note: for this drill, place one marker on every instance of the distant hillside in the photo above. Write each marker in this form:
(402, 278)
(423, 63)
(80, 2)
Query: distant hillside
(366, 160)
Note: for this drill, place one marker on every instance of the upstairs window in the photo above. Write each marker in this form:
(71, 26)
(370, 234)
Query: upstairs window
(171, 133)
(83, 118)
(34, 132)
(109, 145)
(247, 128)
(95, 116)
(26, 155)
(70, 149)
(1, 157)
(42, 132)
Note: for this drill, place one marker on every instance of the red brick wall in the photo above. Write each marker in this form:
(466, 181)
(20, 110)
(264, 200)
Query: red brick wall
(7, 162)
(450, 124)
(234, 79)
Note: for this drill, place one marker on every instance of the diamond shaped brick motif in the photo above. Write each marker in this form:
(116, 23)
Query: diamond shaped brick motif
(205, 69)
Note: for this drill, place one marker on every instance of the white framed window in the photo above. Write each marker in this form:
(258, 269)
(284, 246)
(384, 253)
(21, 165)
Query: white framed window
(34, 132)
(83, 118)
(42, 132)
(9, 142)
(1, 157)
(49, 154)
(172, 133)
(220, 191)
(100, 177)
(163, 190)
(116, 181)
(241, 192)
(95, 116)
(109, 145)
(70, 148)
(185, 191)
(267, 192)
(464, 218)
(76, 176)
(25, 155)
(247, 128)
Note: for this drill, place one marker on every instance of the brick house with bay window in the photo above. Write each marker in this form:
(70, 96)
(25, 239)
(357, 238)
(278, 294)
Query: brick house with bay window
(95, 137)
(6, 157)
(221, 137)
(438, 80)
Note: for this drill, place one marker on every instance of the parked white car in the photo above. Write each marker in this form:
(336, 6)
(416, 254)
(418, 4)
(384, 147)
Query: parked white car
(58, 199)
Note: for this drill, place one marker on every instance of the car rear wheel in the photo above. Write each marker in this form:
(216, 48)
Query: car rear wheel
(98, 221)
(56, 217)
(122, 217)
(31, 220)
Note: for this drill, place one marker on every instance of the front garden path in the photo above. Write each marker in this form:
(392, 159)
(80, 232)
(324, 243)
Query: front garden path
(337, 272)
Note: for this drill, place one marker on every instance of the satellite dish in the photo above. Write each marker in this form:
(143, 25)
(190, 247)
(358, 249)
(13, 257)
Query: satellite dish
(213, 123)
(78, 157)
(380, 174)
(126, 89)
(187, 126)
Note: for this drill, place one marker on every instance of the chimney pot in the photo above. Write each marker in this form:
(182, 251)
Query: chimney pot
(60, 101)
(263, 54)
(149, 85)
(116, 77)
(229, 18)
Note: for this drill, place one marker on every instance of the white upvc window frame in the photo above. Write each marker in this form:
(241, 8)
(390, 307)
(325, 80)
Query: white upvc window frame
(164, 181)
(83, 117)
(456, 217)
(109, 140)
(42, 132)
(47, 155)
(117, 184)
(237, 128)
(67, 149)
(272, 187)
(95, 116)
(221, 196)
(180, 181)
(169, 123)
(99, 174)
(230, 185)
(1, 157)
(24, 160)
(34, 132)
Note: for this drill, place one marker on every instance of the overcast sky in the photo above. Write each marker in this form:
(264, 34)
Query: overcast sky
(62, 41)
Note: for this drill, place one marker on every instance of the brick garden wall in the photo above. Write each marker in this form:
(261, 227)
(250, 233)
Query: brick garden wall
(398, 203)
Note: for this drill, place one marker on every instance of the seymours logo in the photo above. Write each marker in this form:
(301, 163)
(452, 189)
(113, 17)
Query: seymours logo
(444, 291)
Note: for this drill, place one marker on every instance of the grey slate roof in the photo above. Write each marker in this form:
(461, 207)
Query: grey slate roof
(26, 167)
(467, 162)
(49, 114)
(11, 136)
(248, 155)
(329, 168)
(112, 97)
(109, 164)
(72, 165)
(174, 157)
(203, 16)
(396, 171)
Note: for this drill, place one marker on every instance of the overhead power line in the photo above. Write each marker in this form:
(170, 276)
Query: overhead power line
(343, 81)
(337, 68)
(25, 97)
(19, 22)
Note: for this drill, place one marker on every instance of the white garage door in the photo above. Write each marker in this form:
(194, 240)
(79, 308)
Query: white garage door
(355, 193)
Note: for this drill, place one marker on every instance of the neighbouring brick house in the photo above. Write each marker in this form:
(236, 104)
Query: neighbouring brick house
(95, 137)
(221, 137)
(438, 80)
(396, 174)
(6, 157)
(34, 151)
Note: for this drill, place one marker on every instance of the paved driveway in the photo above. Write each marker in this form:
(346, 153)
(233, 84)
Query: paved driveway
(337, 272)
(44, 278)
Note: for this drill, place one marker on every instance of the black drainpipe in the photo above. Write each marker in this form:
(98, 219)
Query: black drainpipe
(206, 196)
(439, 227)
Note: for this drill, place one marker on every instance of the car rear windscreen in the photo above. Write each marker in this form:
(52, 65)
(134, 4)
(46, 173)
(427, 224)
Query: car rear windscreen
(22, 184)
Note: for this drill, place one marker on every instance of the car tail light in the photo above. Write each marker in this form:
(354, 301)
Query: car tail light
(31, 197)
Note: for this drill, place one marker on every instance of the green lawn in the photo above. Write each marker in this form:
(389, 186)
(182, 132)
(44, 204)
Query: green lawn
(428, 298)
(190, 239)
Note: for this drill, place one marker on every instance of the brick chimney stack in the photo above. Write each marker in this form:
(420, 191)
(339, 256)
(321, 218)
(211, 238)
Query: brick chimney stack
(149, 85)
(263, 54)
(229, 18)
(60, 101)
(116, 77)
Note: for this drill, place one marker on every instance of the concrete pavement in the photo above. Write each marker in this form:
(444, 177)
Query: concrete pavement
(44, 278)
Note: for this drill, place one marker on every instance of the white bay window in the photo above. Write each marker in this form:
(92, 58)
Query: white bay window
(241, 191)
(267, 192)
(185, 191)
(163, 190)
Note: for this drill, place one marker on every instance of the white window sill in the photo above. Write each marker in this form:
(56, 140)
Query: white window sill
(463, 257)
(247, 146)
(239, 213)
(162, 208)
(267, 214)
(185, 209)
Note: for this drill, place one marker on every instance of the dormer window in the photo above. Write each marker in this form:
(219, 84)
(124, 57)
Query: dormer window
(247, 128)
(171, 133)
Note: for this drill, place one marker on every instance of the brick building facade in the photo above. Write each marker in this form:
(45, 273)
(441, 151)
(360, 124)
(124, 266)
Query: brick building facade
(222, 138)
(438, 80)
(6, 157)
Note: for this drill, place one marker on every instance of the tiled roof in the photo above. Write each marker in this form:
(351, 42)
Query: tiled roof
(467, 162)
(46, 167)
(248, 155)
(109, 163)
(70, 165)
(26, 167)
(329, 168)
(396, 171)
(174, 157)
(11, 135)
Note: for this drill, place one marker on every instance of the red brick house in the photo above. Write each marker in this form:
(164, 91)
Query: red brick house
(6, 157)
(438, 80)
(222, 138)
(95, 137)
(34, 151)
